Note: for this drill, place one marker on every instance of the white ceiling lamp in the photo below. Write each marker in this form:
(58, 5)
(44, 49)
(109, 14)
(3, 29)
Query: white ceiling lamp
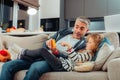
(31, 11)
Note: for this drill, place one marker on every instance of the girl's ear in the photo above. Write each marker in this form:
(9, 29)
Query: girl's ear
(87, 30)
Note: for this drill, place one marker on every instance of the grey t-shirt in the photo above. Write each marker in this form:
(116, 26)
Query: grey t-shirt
(68, 39)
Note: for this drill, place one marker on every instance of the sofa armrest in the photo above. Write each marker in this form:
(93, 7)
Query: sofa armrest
(114, 69)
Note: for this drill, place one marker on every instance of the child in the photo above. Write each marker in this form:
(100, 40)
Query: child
(93, 41)
(67, 63)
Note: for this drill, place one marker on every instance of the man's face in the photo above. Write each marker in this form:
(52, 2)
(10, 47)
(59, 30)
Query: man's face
(80, 29)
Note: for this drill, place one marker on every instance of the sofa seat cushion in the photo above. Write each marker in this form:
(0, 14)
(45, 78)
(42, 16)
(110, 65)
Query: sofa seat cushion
(95, 75)
(20, 75)
(75, 76)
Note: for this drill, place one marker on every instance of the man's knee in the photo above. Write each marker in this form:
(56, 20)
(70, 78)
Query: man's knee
(7, 64)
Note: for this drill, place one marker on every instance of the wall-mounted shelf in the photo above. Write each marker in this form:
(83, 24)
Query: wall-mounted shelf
(50, 24)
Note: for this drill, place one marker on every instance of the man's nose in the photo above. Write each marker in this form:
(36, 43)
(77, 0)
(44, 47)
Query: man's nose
(78, 30)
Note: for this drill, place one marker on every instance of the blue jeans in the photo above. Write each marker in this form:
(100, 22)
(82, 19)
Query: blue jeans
(35, 69)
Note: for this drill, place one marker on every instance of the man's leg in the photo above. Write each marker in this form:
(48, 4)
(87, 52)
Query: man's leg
(37, 69)
(52, 60)
(11, 67)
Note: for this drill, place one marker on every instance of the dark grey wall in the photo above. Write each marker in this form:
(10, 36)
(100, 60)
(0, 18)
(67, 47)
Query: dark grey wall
(95, 8)
(73, 8)
(61, 21)
(91, 8)
(6, 13)
(113, 7)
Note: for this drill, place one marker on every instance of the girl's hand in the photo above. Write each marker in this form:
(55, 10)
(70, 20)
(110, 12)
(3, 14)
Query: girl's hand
(66, 45)
(78, 63)
(48, 43)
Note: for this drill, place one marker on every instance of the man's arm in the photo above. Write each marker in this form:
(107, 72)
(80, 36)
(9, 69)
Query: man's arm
(46, 43)
(56, 36)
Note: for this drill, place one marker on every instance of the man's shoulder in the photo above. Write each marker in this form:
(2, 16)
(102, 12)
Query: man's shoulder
(65, 31)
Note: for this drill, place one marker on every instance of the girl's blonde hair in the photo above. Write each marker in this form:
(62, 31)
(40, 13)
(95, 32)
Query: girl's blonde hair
(97, 38)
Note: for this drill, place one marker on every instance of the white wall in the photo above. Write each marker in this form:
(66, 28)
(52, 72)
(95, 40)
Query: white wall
(112, 22)
(49, 8)
(34, 22)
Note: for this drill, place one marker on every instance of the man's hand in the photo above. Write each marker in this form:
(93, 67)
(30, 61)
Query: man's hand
(50, 45)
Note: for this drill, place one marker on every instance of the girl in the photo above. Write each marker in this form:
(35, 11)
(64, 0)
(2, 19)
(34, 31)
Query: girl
(74, 58)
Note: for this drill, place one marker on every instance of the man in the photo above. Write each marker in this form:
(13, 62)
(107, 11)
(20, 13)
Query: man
(37, 66)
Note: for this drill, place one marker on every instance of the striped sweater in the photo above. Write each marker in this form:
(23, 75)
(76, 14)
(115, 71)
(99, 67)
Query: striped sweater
(69, 63)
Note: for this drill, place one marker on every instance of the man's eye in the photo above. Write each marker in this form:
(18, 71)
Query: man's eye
(82, 28)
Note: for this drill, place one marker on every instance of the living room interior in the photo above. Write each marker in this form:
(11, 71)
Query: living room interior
(30, 30)
(55, 15)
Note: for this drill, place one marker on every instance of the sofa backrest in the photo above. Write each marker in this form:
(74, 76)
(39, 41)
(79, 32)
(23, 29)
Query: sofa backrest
(36, 41)
(113, 37)
(27, 42)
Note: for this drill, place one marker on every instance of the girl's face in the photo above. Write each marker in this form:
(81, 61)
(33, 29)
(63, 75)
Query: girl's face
(90, 45)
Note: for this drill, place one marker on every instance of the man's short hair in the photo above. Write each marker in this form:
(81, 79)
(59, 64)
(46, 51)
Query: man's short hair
(84, 20)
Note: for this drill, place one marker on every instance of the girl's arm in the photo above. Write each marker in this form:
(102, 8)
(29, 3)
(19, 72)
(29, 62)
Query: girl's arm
(77, 56)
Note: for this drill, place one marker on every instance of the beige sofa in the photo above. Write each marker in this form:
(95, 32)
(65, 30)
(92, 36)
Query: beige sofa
(112, 64)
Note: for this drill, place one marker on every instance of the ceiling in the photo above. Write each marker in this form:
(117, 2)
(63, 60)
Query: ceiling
(10, 4)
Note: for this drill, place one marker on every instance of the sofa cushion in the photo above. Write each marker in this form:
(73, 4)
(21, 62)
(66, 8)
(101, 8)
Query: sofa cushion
(75, 76)
(1, 45)
(20, 75)
(67, 75)
(102, 56)
(28, 42)
(105, 40)
(110, 37)
(111, 57)
(14, 50)
(113, 37)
